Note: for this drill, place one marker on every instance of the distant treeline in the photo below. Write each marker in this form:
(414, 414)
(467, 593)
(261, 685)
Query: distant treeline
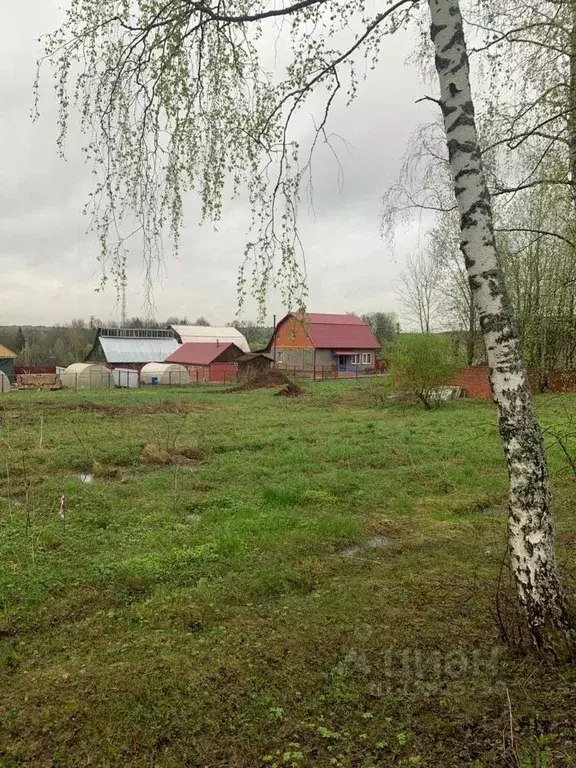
(71, 342)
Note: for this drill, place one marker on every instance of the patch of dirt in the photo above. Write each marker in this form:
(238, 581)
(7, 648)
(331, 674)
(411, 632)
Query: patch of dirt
(118, 410)
(191, 452)
(116, 475)
(151, 454)
(270, 380)
(173, 406)
(189, 458)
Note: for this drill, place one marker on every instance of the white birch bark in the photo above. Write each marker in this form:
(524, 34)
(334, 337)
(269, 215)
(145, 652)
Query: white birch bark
(531, 533)
(571, 117)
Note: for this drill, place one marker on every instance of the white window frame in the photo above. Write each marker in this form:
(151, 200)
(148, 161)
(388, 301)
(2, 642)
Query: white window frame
(366, 358)
(354, 359)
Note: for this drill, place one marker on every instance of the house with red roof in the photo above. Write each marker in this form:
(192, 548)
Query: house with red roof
(311, 341)
(208, 361)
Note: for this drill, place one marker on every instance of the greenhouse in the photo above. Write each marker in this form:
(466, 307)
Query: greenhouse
(164, 374)
(87, 376)
(4, 382)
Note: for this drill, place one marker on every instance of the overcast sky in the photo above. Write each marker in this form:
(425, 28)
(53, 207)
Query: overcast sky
(49, 267)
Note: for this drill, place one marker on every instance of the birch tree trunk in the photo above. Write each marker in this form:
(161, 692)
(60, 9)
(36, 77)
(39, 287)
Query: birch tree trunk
(571, 117)
(530, 526)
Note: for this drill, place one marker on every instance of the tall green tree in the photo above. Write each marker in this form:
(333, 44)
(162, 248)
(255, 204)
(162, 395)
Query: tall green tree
(255, 334)
(421, 363)
(176, 95)
(20, 341)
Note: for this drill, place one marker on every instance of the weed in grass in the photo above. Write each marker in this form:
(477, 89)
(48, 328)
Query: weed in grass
(281, 497)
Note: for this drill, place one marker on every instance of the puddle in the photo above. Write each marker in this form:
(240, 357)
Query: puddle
(351, 552)
(378, 542)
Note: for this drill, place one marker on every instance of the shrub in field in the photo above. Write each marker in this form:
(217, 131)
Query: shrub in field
(420, 363)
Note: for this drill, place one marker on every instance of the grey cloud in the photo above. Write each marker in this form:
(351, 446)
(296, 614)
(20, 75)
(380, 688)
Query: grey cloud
(49, 265)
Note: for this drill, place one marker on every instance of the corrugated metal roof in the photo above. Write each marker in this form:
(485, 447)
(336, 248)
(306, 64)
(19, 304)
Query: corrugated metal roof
(208, 334)
(354, 336)
(327, 319)
(137, 350)
(253, 355)
(5, 352)
(198, 353)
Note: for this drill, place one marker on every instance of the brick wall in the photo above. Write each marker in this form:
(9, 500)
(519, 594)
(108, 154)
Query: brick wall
(557, 381)
(474, 381)
(562, 381)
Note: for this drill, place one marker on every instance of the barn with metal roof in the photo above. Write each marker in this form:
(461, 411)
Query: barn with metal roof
(313, 341)
(208, 362)
(132, 347)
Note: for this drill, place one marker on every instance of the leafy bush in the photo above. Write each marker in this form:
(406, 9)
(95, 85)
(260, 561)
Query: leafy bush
(420, 363)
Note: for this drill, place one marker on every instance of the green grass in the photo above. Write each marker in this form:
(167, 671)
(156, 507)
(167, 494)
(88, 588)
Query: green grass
(204, 615)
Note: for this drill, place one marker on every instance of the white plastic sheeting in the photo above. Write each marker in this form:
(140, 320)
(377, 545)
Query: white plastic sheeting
(87, 376)
(164, 374)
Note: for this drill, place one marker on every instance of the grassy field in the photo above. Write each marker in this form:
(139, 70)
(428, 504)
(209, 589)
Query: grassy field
(308, 582)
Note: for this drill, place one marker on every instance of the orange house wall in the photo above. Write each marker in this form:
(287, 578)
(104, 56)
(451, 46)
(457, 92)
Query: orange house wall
(292, 335)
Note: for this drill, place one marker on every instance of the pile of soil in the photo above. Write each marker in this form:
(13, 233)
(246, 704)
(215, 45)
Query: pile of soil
(151, 454)
(290, 390)
(270, 380)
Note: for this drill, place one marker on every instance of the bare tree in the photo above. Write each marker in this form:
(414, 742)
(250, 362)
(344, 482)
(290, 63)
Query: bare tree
(176, 96)
(419, 290)
(456, 300)
(529, 49)
(541, 275)
(382, 324)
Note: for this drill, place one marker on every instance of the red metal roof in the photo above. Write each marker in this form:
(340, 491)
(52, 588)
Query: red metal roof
(198, 353)
(337, 331)
(316, 317)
